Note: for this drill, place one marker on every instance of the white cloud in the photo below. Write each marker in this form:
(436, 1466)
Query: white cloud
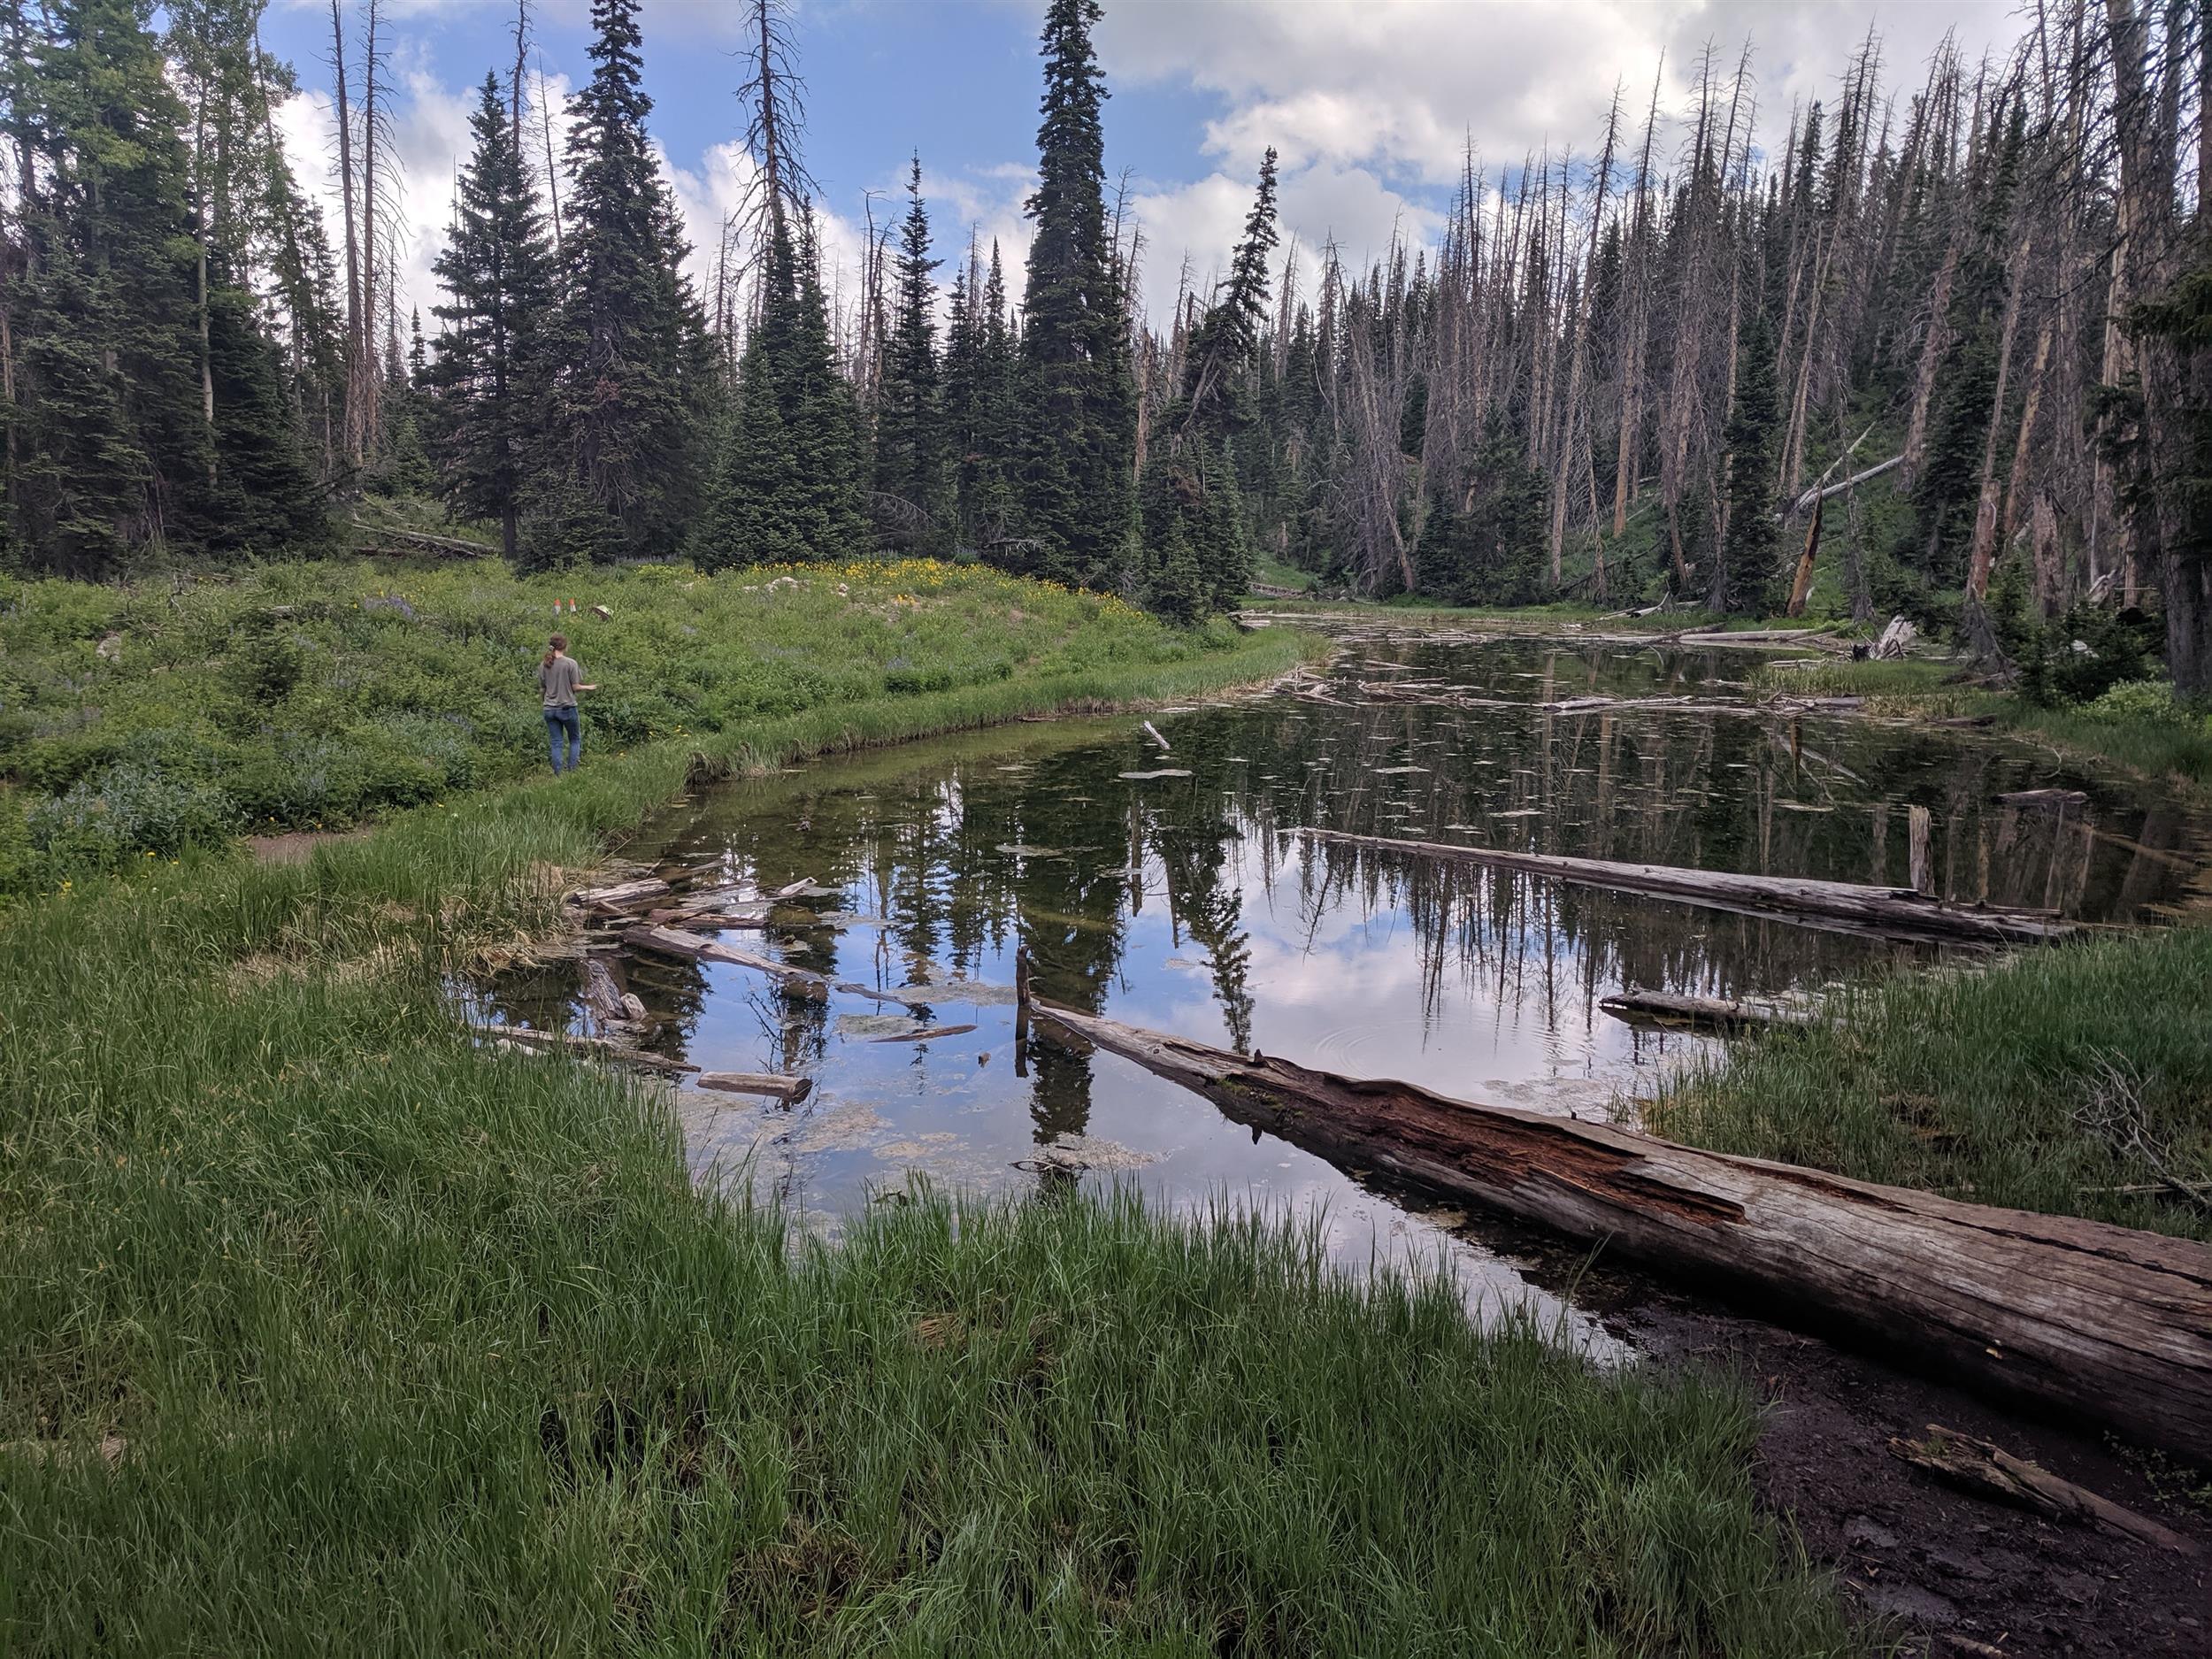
(1373, 104)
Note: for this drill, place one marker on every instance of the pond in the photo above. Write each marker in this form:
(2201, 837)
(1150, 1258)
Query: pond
(1186, 901)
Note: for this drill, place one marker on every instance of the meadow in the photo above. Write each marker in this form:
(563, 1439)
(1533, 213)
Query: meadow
(327, 1329)
(2075, 1079)
(147, 719)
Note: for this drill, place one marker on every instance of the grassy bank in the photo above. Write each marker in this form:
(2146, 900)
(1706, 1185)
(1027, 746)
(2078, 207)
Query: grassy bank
(151, 719)
(327, 1331)
(2072, 1080)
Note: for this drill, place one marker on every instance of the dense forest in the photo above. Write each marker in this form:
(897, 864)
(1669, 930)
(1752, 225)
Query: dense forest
(1938, 343)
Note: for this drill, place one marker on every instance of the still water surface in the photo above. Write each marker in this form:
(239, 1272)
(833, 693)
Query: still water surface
(1189, 903)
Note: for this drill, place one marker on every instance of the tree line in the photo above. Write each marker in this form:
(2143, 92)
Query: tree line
(1943, 347)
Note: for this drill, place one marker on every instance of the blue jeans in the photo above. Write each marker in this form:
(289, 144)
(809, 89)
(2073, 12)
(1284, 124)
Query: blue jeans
(558, 723)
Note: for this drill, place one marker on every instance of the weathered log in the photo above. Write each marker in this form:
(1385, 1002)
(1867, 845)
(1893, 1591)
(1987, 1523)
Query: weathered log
(1822, 492)
(2098, 1321)
(1669, 1007)
(598, 1045)
(621, 896)
(1749, 636)
(1989, 1471)
(923, 1035)
(675, 942)
(442, 543)
(1153, 732)
(602, 995)
(776, 1085)
(1892, 913)
(2045, 797)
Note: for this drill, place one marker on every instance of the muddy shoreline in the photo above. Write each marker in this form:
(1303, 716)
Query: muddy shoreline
(1938, 1572)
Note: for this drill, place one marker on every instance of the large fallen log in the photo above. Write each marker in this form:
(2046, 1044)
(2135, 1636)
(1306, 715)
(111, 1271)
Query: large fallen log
(674, 941)
(2095, 1321)
(1716, 1013)
(1892, 912)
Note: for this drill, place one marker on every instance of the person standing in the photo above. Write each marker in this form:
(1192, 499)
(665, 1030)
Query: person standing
(560, 677)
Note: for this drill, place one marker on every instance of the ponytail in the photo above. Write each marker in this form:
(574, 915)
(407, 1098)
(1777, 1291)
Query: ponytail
(556, 644)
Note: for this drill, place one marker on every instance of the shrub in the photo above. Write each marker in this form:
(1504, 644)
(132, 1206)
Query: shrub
(127, 809)
(2138, 700)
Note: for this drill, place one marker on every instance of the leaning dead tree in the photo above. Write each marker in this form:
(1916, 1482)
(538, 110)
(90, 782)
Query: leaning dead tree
(2105, 1324)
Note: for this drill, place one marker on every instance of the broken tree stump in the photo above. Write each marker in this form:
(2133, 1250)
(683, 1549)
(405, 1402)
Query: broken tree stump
(1892, 913)
(2100, 1323)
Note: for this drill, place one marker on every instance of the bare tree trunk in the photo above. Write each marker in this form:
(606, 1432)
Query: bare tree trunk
(1932, 351)
(1581, 327)
(1983, 550)
(355, 321)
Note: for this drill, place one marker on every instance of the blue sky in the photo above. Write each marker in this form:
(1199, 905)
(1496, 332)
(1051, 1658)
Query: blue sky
(1369, 101)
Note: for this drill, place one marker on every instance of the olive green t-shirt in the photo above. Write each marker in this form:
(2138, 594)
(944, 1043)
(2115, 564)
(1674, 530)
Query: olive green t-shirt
(558, 679)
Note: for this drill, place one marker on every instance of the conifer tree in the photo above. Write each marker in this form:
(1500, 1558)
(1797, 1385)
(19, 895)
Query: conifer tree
(1196, 503)
(628, 340)
(910, 449)
(146, 383)
(1078, 393)
(487, 388)
(1743, 574)
(789, 475)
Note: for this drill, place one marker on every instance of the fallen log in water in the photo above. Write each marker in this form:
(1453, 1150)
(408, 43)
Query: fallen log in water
(2080, 1317)
(674, 941)
(1895, 912)
(775, 1085)
(1669, 1007)
(598, 1045)
(621, 896)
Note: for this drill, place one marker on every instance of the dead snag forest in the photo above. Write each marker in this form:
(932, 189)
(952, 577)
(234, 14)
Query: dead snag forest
(1937, 343)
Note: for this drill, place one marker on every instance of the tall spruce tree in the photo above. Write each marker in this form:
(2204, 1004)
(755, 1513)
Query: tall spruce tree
(487, 387)
(911, 453)
(631, 368)
(1080, 395)
(1192, 509)
(149, 409)
(1744, 573)
(790, 470)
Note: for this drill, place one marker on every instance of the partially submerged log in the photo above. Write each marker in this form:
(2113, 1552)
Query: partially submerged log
(1892, 912)
(925, 1035)
(622, 895)
(602, 995)
(600, 1047)
(775, 1085)
(1989, 1471)
(2095, 1321)
(1714, 1013)
(675, 942)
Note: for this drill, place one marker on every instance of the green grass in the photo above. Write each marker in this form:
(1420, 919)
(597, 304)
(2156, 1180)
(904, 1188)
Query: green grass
(2061, 1080)
(325, 1331)
(311, 696)
(2174, 748)
(1916, 678)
